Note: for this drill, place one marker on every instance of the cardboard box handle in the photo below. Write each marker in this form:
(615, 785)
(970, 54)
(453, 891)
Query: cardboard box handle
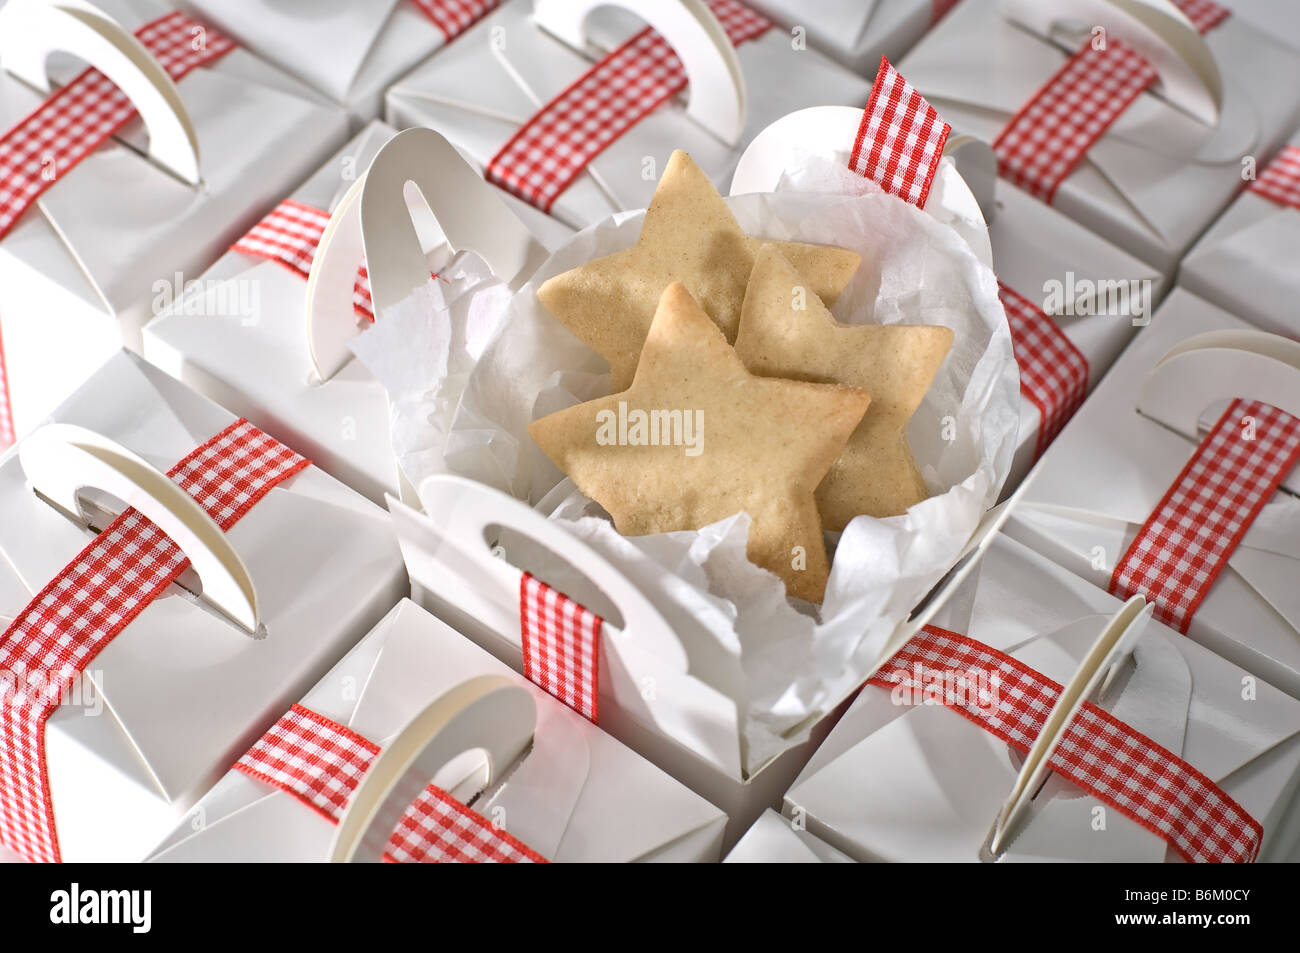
(716, 86)
(62, 460)
(463, 510)
(1157, 29)
(1113, 645)
(374, 219)
(490, 712)
(1217, 366)
(31, 30)
(331, 320)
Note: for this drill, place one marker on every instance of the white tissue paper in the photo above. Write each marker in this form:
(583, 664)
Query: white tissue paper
(462, 404)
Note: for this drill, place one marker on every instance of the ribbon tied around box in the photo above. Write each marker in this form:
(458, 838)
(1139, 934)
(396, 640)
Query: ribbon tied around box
(383, 799)
(1141, 41)
(1189, 537)
(174, 520)
(686, 42)
(1064, 730)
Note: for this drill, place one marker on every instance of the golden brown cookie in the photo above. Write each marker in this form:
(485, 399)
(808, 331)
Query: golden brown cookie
(786, 332)
(697, 438)
(689, 236)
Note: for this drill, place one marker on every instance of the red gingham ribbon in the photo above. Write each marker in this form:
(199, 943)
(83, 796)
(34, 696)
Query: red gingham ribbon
(549, 151)
(1105, 757)
(7, 433)
(290, 235)
(1204, 14)
(72, 123)
(454, 17)
(1053, 372)
(321, 762)
(1280, 180)
(91, 600)
(900, 139)
(561, 642)
(1187, 540)
(1046, 140)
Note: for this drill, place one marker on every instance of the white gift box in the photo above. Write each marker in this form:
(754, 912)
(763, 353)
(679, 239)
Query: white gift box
(348, 52)
(775, 840)
(481, 89)
(101, 250)
(261, 365)
(1246, 262)
(857, 32)
(1158, 176)
(1112, 465)
(902, 781)
(571, 798)
(182, 690)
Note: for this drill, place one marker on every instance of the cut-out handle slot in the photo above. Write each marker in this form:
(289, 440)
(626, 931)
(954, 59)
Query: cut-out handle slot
(62, 460)
(32, 30)
(489, 712)
(464, 510)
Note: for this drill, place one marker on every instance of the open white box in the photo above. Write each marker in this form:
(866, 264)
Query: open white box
(1158, 176)
(1246, 262)
(184, 689)
(856, 33)
(569, 798)
(287, 368)
(110, 243)
(1096, 486)
(481, 89)
(915, 781)
(652, 695)
(348, 52)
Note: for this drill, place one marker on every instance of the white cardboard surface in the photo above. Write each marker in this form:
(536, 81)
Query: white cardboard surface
(348, 52)
(1246, 262)
(773, 839)
(855, 33)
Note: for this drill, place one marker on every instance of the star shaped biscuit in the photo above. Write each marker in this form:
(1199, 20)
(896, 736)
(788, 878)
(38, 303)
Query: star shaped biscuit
(697, 438)
(689, 235)
(786, 332)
